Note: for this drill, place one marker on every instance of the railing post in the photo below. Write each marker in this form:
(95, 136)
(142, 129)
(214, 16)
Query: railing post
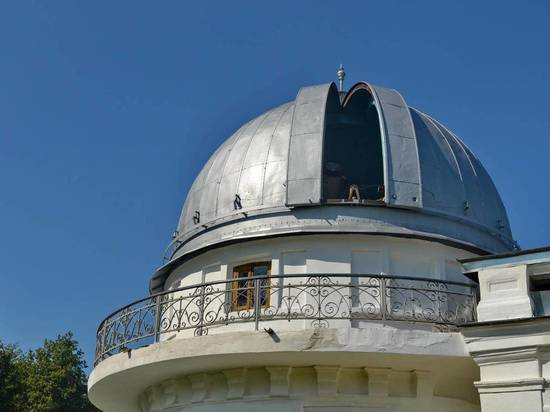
(156, 331)
(474, 299)
(201, 310)
(289, 304)
(413, 305)
(438, 300)
(383, 307)
(228, 301)
(319, 317)
(353, 292)
(257, 304)
(103, 339)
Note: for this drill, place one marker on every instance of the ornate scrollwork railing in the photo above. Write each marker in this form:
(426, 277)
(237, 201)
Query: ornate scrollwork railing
(321, 298)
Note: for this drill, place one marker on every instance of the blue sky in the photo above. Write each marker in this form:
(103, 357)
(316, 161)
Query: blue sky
(108, 109)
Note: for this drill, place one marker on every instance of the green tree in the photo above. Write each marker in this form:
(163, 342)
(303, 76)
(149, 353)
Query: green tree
(48, 379)
(11, 376)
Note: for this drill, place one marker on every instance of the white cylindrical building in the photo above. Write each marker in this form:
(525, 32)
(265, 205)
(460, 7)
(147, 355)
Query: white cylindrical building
(314, 268)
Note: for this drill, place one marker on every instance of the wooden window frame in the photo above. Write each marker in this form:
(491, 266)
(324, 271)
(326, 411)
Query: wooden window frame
(249, 269)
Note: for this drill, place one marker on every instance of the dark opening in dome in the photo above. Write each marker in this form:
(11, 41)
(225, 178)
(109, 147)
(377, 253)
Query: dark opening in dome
(353, 167)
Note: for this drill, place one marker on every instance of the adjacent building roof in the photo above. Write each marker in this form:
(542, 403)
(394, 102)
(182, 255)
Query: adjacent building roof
(518, 257)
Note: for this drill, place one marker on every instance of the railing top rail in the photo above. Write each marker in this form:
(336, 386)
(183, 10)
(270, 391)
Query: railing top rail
(286, 276)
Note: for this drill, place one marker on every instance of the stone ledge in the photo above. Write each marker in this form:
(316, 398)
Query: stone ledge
(520, 385)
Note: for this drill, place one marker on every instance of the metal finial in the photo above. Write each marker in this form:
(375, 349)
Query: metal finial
(341, 76)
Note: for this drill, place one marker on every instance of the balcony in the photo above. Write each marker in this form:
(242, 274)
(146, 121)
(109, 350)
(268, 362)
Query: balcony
(318, 300)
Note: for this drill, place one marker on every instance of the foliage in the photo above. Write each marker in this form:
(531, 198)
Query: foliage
(50, 378)
(11, 368)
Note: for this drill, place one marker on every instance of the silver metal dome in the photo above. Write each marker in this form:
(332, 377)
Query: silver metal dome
(267, 180)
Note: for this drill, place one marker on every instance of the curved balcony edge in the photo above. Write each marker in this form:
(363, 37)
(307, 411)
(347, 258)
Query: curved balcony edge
(320, 299)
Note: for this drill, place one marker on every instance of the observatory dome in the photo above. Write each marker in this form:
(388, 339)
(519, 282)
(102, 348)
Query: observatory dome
(332, 162)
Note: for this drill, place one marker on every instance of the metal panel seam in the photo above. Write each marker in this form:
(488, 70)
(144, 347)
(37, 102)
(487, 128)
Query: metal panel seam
(466, 151)
(240, 132)
(470, 188)
(265, 115)
(420, 199)
(384, 140)
(289, 144)
(458, 168)
(270, 143)
(458, 142)
(322, 154)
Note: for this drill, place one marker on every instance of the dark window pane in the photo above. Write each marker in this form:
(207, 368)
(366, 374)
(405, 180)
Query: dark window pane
(242, 283)
(241, 273)
(242, 297)
(262, 270)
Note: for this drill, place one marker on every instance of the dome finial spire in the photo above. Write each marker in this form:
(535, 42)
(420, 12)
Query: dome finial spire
(341, 76)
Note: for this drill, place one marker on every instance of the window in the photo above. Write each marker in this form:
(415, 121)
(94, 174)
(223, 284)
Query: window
(243, 288)
(540, 293)
(352, 164)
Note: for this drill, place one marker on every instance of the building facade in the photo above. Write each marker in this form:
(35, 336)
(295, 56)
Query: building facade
(316, 266)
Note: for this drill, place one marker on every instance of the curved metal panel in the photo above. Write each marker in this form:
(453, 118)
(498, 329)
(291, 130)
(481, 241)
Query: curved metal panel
(251, 183)
(442, 184)
(403, 185)
(274, 183)
(278, 148)
(494, 210)
(473, 203)
(212, 173)
(194, 197)
(210, 185)
(256, 152)
(306, 144)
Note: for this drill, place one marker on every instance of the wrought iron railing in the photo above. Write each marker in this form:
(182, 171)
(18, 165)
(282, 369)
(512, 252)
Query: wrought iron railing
(319, 298)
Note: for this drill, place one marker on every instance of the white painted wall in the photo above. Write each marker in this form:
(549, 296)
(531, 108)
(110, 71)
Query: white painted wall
(504, 293)
(327, 254)
(313, 254)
